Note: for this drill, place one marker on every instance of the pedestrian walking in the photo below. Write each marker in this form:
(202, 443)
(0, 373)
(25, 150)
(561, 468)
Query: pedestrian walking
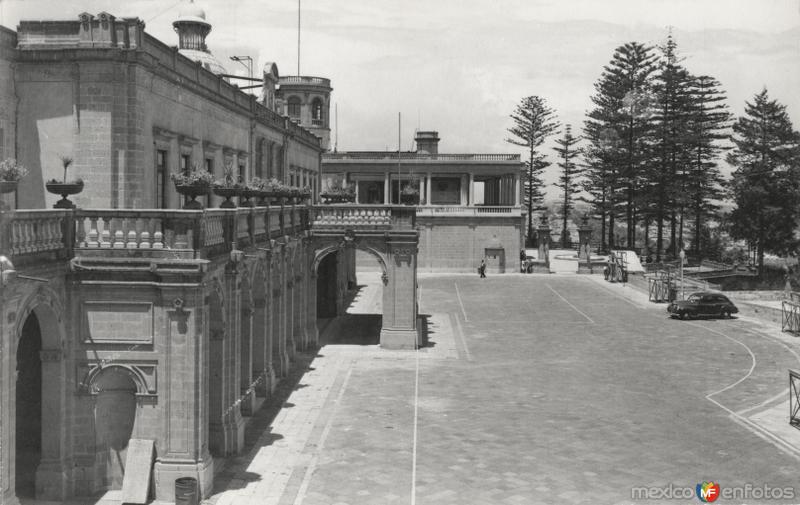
(482, 269)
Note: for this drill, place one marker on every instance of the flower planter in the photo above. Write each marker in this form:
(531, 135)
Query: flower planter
(227, 193)
(333, 198)
(248, 194)
(8, 186)
(64, 189)
(409, 199)
(192, 191)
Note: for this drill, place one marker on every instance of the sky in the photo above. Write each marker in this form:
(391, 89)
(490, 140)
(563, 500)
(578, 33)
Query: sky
(460, 66)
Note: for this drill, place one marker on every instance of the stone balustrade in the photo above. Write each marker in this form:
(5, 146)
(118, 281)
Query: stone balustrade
(458, 210)
(144, 232)
(363, 217)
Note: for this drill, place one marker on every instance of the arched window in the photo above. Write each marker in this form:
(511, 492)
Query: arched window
(294, 107)
(317, 118)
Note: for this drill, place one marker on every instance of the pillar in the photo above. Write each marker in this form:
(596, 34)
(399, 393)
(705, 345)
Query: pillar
(428, 186)
(232, 422)
(399, 327)
(544, 241)
(471, 190)
(584, 252)
(185, 451)
(386, 188)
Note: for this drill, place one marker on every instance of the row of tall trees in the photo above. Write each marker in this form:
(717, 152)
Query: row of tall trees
(650, 152)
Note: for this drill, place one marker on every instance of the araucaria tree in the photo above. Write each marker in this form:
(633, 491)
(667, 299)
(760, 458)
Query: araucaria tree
(708, 129)
(568, 177)
(619, 132)
(534, 121)
(766, 182)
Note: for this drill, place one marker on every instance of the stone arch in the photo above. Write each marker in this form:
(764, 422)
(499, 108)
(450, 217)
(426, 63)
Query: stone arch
(116, 412)
(320, 254)
(43, 307)
(93, 377)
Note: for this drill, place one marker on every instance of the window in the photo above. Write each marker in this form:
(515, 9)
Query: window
(210, 165)
(316, 113)
(161, 179)
(294, 107)
(445, 191)
(186, 162)
(240, 175)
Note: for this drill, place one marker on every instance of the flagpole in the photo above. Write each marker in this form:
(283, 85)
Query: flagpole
(398, 157)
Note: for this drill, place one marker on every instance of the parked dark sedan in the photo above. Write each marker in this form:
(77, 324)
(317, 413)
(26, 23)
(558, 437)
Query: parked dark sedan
(703, 303)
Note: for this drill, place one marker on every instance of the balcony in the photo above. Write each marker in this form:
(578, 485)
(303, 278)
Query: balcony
(414, 156)
(462, 211)
(42, 235)
(363, 218)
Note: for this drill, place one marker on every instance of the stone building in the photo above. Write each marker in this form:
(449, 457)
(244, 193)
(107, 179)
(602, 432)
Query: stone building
(125, 317)
(468, 205)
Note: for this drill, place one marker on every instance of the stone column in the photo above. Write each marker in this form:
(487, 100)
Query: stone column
(261, 342)
(471, 190)
(399, 328)
(386, 189)
(232, 422)
(52, 475)
(428, 186)
(183, 394)
(544, 240)
(584, 253)
(246, 361)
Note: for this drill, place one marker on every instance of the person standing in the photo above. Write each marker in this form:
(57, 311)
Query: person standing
(482, 269)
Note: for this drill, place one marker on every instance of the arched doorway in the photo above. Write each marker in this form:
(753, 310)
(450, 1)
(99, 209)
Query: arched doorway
(216, 333)
(28, 407)
(327, 286)
(115, 417)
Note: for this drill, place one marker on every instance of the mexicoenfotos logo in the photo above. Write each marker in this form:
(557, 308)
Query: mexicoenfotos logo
(707, 492)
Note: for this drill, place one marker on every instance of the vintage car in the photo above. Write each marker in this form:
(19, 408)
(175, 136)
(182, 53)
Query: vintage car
(703, 303)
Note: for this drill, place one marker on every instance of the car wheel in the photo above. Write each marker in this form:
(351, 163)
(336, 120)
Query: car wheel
(726, 314)
(683, 315)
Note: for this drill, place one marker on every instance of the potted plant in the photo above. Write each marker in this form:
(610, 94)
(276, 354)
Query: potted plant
(409, 194)
(277, 189)
(337, 193)
(227, 187)
(64, 187)
(10, 174)
(193, 183)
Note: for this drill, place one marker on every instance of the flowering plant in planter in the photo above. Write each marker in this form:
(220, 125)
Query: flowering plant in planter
(337, 193)
(201, 179)
(193, 183)
(11, 171)
(409, 194)
(10, 174)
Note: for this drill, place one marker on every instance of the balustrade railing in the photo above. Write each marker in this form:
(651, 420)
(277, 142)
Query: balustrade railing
(33, 231)
(363, 217)
(192, 233)
(459, 210)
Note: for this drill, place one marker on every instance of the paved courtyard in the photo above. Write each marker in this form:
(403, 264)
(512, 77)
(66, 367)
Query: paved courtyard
(534, 389)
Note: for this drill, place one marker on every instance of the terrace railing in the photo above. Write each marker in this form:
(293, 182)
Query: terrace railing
(144, 232)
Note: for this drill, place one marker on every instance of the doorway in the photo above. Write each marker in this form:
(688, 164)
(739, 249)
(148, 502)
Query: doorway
(29, 408)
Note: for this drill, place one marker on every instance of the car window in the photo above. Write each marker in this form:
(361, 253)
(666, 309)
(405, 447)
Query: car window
(693, 298)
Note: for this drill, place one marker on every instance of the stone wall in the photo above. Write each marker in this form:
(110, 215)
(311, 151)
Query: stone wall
(457, 244)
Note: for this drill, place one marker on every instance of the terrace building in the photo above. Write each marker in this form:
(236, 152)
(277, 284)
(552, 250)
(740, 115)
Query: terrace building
(468, 205)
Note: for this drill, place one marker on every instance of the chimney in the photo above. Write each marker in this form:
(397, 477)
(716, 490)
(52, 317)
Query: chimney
(427, 142)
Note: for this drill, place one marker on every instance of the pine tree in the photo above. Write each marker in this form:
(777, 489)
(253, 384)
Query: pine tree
(667, 175)
(618, 130)
(766, 183)
(568, 178)
(707, 130)
(534, 121)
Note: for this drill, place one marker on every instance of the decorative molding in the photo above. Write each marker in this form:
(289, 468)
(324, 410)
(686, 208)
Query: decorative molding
(143, 374)
(51, 355)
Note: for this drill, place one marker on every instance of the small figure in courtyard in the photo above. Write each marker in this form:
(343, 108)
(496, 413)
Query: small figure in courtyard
(482, 269)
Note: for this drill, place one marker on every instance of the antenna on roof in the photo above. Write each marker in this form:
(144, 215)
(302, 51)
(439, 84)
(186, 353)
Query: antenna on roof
(336, 123)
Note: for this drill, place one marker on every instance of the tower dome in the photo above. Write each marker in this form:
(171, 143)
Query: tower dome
(192, 29)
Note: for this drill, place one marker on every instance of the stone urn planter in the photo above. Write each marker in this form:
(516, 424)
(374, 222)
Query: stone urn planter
(227, 193)
(8, 186)
(64, 189)
(192, 191)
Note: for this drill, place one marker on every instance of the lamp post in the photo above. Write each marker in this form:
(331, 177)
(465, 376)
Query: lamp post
(683, 258)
